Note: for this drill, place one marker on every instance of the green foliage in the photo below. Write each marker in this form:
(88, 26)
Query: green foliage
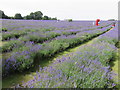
(4, 29)
(27, 17)
(47, 50)
(70, 20)
(18, 16)
(13, 34)
(53, 34)
(2, 15)
(111, 20)
(45, 18)
(117, 44)
(99, 27)
(35, 16)
(39, 39)
(36, 39)
(10, 45)
(54, 18)
(38, 15)
(92, 75)
(56, 46)
(23, 62)
(68, 33)
(32, 16)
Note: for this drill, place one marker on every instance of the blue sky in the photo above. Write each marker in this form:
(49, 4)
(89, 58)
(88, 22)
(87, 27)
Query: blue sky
(64, 9)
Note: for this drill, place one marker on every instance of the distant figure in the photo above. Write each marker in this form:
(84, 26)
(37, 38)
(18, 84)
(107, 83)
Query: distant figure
(97, 22)
(113, 24)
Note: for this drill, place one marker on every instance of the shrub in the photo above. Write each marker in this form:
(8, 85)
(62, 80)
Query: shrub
(70, 20)
(12, 34)
(117, 44)
(47, 49)
(4, 29)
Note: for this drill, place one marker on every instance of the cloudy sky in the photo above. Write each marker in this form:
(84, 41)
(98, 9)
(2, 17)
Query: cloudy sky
(64, 9)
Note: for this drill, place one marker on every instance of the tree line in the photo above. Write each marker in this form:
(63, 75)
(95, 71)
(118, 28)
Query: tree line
(38, 15)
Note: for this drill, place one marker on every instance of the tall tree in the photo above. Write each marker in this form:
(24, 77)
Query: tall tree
(38, 15)
(54, 18)
(32, 15)
(18, 16)
(45, 18)
(2, 15)
(27, 17)
(35, 16)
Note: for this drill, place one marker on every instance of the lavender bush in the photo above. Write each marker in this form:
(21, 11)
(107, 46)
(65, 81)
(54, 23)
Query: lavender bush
(88, 67)
(23, 52)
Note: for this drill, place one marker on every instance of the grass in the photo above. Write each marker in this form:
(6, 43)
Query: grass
(115, 68)
(2, 43)
(12, 80)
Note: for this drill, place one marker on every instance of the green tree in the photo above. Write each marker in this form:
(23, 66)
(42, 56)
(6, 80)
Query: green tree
(27, 17)
(70, 20)
(38, 15)
(11, 17)
(32, 15)
(35, 16)
(45, 18)
(18, 16)
(2, 15)
(54, 18)
(49, 18)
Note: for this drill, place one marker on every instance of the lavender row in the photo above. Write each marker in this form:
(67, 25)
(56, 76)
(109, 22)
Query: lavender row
(39, 37)
(15, 34)
(20, 61)
(36, 37)
(45, 24)
(88, 67)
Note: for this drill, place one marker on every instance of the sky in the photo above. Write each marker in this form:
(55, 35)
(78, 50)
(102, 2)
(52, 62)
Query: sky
(64, 9)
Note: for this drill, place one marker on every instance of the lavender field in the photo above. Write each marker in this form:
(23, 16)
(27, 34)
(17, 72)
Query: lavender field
(28, 44)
